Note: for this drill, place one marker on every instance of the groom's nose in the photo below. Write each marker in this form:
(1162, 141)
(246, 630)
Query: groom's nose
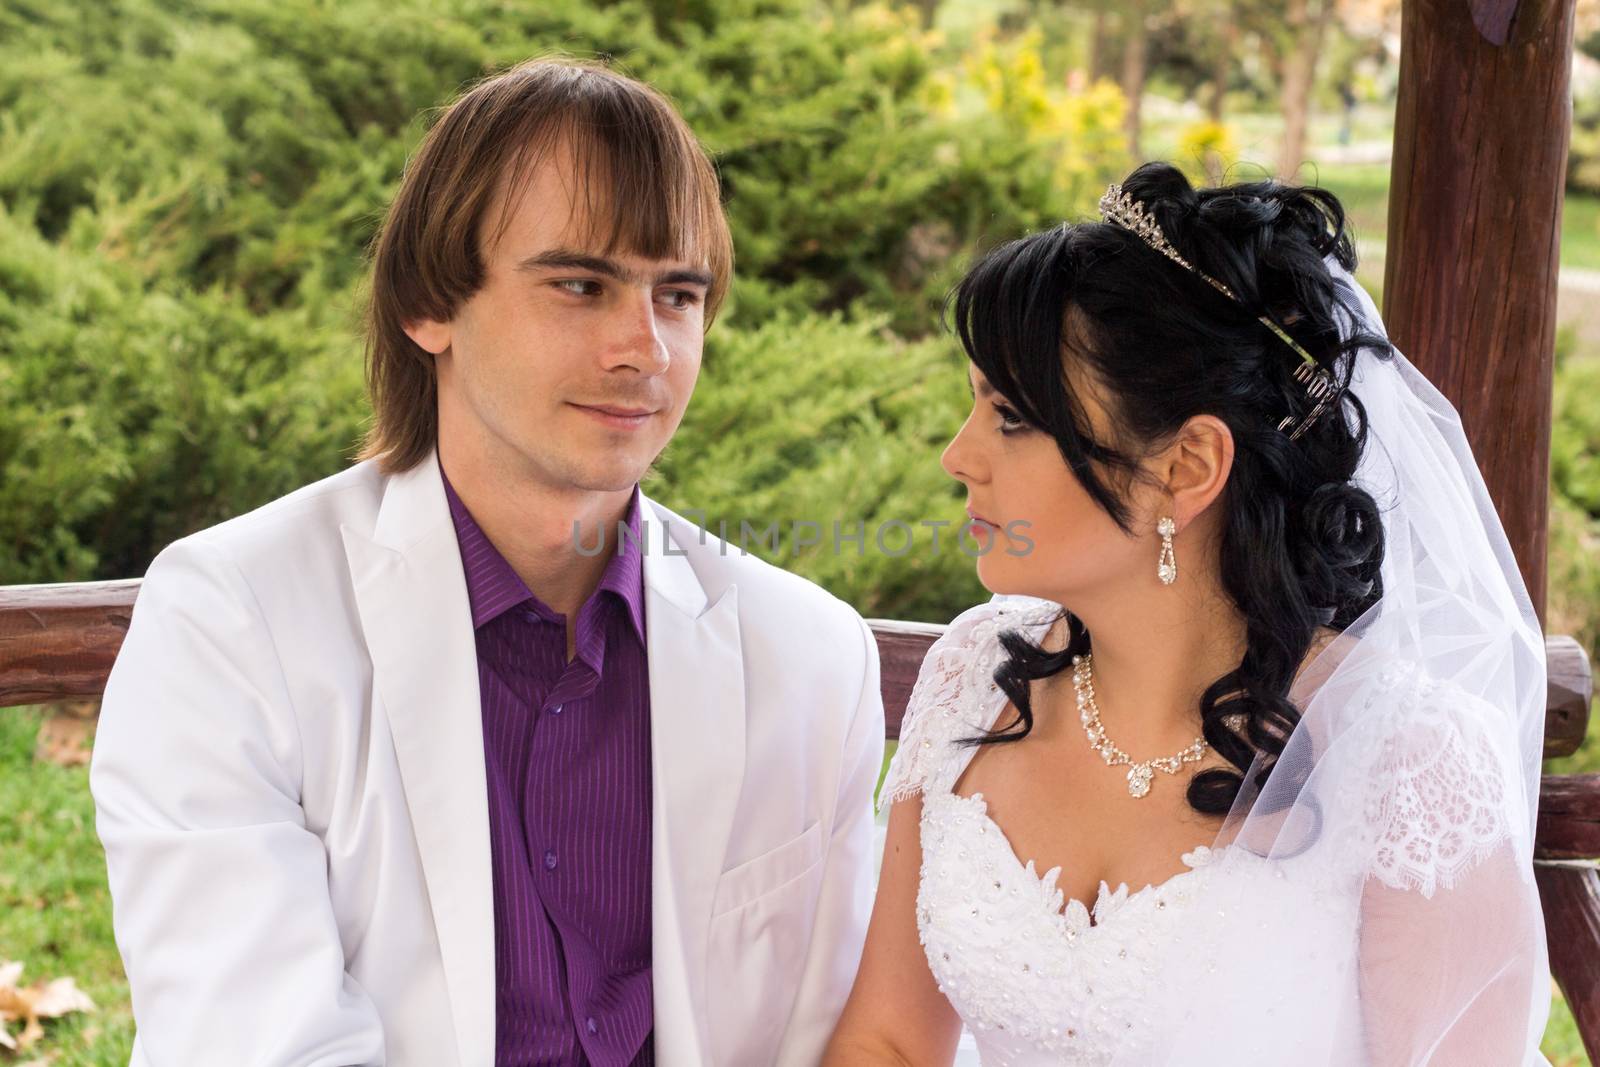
(636, 339)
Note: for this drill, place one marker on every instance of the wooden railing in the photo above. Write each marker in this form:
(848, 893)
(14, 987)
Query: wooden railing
(57, 642)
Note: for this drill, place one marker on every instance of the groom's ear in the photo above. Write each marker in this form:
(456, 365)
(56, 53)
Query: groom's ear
(430, 336)
(1194, 467)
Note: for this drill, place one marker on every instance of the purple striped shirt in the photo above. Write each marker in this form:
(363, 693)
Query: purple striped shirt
(567, 755)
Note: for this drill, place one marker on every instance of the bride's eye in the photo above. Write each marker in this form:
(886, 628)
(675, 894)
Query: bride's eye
(1010, 421)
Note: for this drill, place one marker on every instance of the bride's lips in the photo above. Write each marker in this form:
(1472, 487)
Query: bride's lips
(979, 519)
(618, 418)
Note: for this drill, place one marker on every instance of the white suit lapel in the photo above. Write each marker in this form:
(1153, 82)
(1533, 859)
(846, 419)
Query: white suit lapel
(412, 597)
(697, 729)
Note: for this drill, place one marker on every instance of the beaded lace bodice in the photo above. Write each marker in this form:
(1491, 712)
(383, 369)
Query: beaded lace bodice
(1041, 980)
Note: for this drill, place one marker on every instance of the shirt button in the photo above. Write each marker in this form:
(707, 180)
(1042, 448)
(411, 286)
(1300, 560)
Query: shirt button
(549, 861)
(593, 1029)
(555, 709)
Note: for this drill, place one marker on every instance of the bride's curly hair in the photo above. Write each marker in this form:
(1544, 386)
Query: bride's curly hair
(1301, 545)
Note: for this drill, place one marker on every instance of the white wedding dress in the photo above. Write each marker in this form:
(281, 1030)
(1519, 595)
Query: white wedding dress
(1040, 980)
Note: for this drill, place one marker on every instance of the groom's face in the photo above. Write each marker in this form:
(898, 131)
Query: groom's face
(573, 363)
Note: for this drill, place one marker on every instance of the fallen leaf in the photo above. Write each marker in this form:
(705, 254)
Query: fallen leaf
(64, 737)
(42, 1000)
(59, 997)
(31, 1032)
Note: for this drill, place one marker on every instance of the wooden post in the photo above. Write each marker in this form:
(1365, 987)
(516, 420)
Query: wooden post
(1571, 898)
(1480, 154)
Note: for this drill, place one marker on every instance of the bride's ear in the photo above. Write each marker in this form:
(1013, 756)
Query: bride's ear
(1194, 467)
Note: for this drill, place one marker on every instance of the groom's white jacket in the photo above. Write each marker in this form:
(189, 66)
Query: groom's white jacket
(289, 783)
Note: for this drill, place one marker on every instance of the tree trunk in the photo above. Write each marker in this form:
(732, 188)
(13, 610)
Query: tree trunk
(1222, 62)
(1099, 47)
(1133, 74)
(1299, 70)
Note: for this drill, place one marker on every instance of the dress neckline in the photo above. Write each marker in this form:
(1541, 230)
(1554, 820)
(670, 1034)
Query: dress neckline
(1076, 915)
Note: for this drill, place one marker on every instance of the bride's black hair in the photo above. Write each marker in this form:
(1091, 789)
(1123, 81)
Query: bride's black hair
(1301, 545)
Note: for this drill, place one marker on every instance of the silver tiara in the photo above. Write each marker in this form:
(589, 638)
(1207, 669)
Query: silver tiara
(1120, 209)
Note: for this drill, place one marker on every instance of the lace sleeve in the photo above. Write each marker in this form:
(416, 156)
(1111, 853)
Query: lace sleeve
(1441, 795)
(957, 669)
(1448, 881)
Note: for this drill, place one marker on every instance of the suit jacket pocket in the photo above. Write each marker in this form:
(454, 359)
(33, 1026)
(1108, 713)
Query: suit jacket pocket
(760, 936)
(768, 872)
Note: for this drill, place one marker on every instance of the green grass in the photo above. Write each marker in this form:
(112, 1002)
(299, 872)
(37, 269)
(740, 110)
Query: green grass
(1562, 1045)
(1580, 232)
(1363, 189)
(55, 909)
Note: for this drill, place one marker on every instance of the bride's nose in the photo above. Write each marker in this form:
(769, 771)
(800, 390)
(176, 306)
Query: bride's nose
(960, 459)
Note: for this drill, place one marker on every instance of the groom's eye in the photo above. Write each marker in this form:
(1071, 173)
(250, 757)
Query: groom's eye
(681, 299)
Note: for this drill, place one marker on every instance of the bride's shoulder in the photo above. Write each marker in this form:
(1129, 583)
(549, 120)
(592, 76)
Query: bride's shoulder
(1396, 699)
(1436, 764)
(980, 626)
(969, 650)
(949, 700)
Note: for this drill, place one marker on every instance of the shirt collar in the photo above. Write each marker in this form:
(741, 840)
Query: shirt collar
(624, 573)
(494, 587)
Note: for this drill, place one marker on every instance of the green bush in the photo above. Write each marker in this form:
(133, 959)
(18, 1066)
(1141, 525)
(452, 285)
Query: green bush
(1575, 433)
(1574, 600)
(135, 415)
(187, 190)
(254, 143)
(1583, 153)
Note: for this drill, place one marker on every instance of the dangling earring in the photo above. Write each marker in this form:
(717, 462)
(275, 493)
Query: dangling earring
(1167, 564)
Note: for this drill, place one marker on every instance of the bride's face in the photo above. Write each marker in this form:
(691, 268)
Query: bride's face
(1040, 532)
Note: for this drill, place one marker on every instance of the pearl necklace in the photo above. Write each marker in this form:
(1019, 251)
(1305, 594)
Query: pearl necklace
(1139, 774)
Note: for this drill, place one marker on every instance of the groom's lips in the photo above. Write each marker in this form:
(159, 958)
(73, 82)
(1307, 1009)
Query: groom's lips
(617, 417)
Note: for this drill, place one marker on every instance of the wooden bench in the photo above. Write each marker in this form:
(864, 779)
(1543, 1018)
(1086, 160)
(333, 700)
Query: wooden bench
(57, 642)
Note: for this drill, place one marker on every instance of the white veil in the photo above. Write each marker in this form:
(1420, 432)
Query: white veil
(1397, 921)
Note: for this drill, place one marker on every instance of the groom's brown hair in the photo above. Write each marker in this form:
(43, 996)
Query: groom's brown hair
(647, 185)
